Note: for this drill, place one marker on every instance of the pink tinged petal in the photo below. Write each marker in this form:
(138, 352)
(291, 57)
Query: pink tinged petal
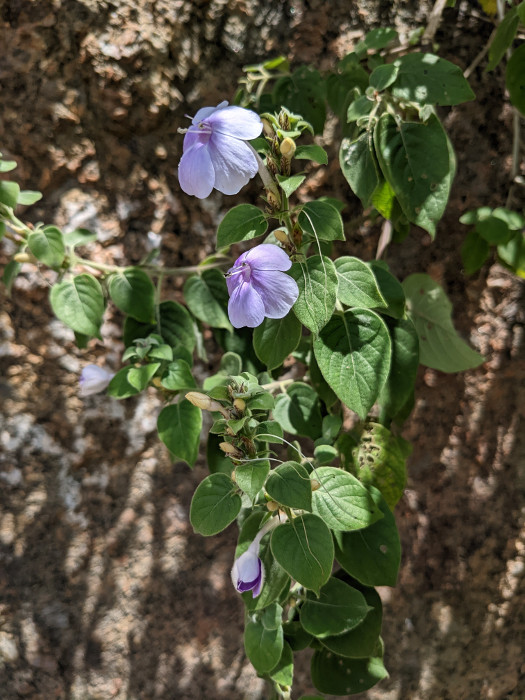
(236, 121)
(233, 161)
(245, 307)
(277, 290)
(196, 174)
(267, 257)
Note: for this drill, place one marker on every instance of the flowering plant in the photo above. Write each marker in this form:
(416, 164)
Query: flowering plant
(319, 348)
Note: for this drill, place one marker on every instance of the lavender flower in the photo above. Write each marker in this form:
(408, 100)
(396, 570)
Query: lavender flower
(215, 153)
(93, 379)
(258, 286)
(248, 572)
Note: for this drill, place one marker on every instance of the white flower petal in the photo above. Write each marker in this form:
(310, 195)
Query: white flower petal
(233, 161)
(196, 173)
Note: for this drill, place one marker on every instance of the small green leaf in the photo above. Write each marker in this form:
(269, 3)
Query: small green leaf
(283, 672)
(80, 236)
(375, 40)
(474, 252)
(29, 197)
(312, 152)
(317, 282)
(383, 76)
(353, 352)
(322, 221)
(276, 338)
(7, 165)
(178, 376)
(298, 411)
(357, 284)
(372, 556)
(289, 184)
(390, 288)
(342, 501)
(119, 387)
(250, 478)
(303, 93)
(242, 223)
(338, 609)
(289, 484)
(359, 108)
(339, 676)
(132, 291)
(179, 426)
(207, 298)
(513, 254)
(79, 303)
(304, 548)
(494, 229)
(272, 617)
(440, 346)
(11, 270)
(503, 38)
(429, 79)
(47, 245)
(9, 192)
(515, 78)
(405, 361)
(360, 642)
(176, 326)
(139, 377)
(215, 504)
(263, 647)
(358, 165)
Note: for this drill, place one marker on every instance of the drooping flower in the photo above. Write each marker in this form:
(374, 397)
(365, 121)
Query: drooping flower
(259, 287)
(248, 570)
(215, 153)
(93, 379)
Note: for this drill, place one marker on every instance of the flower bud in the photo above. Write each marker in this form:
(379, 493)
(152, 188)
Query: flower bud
(287, 147)
(156, 381)
(272, 506)
(273, 199)
(239, 404)
(248, 572)
(93, 379)
(231, 450)
(315, 485)
(203, 401)
(23, 257)
(281, 235)
(267, 128)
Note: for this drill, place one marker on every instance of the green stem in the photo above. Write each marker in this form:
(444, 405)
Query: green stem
(152, 269)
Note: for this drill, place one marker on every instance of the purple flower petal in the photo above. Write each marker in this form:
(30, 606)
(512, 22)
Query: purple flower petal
(205, 112)
(233, 161)
(93, 379)
(266, 256)
(248, 573)
(196, 174)
(277, 290)
(245, 307)
(235, 121)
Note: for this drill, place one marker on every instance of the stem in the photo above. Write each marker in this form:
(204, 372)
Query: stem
(279, 385)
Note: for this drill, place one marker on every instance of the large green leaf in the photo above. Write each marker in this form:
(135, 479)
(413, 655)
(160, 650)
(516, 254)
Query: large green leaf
(417, 160)
(207, 298)
(250, 477)
(342, 501)
(47, 245)
(429, 79)
(304, 548)
(440, 346)
(298, 411)
(215, 504)
(317, 282)
(338, 609)
(322, 221)
(79, 303)
(353, 352)
(359, 166)
(339, 676)
(361, 641)
(403, 371)
(276, 338)
(263, 647)
(176, 326)
(132, 291)
(242, 223)
(179, 427)
(289, 484)
(372, 555)
(357, 284)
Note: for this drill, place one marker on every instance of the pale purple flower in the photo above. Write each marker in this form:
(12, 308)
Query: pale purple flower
(215, 153)
(93, 379)
(248, 572)
(259, 287)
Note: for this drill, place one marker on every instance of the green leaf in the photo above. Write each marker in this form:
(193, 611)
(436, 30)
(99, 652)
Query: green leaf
(372, 556)
(416, 161)
(342, 501)
(289, 184)
(272, 616)
(515, 78)
(317, 282)
(178, 376)
(338, 609)
(79, 303)
(119, 387)
(360, 642)
(503, 38)
(7, 165)
(179, 426)
(359, 166)
(322, 221)
(390, 288)
(376, 40)
(9, 192)
(29, 197)
(359, 108)
(132, 291)
(513, 254)
(250, 478)
(289, 484)
(298, 411)
(429, 79)
(215, 504)
(263, 647)
(304, 548)
(312, 152)
(357, 284)
(440, 346)
(494, 229)
(242, 223)
(2, 230)
(380, 457)
(216, 460)
(283, 672)
(207, 298)
(474, 251)
(139, 377)
(405, 361)
(80, 236)
(47, 245)
(353, 352)
(276, 338)
(296, 636)
(11, 270)
(339, 676)
(176, 326)
(303, 93)
(383, 76)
